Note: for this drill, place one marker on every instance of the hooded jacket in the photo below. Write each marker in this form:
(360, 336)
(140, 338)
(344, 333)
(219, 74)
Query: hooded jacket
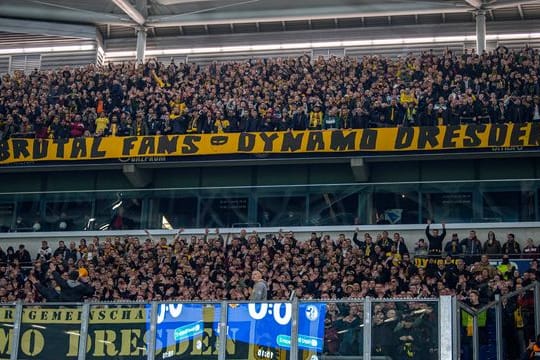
(72, 290)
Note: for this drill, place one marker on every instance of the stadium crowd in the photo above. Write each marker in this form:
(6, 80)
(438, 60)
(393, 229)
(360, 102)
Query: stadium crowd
(214, 267)
(273, 95)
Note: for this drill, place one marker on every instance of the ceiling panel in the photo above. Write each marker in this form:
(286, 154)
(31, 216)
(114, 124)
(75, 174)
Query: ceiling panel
(166, 31)
(403, 20)
(323, 24)
(458, 17)
(245, 27)
(350, 23)
(297, 25)
(376, 21)
(511, 13)
(219, 29)
(271, 26)
(194, 30)
(430, 19)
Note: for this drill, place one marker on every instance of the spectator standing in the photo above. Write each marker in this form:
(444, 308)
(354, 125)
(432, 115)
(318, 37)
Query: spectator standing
(511, 246)
(3, 257)
(45, 252)
(23, 256)
(492, 246)
(260, 289)
(530, 250)
(75, 289)
(435, 239)
(471, 247)
(62, 250)
(506, 267)
(453, 248)
(421, 248)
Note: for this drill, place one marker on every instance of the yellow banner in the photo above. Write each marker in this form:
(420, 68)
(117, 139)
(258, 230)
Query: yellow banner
(47, 315)
(503, 137)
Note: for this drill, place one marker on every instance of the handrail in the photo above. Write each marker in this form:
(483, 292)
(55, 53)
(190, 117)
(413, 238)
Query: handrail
(493, 303)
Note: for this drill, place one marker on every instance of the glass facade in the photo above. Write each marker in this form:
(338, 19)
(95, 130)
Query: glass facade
(280, 206)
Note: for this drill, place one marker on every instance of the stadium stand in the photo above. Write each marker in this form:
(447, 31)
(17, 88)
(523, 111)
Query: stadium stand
(425, 89)
(453, 294)
(215, 267)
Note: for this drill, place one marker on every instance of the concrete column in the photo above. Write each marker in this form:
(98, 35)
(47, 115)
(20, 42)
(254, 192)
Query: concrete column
(480, 31)
(141, 44)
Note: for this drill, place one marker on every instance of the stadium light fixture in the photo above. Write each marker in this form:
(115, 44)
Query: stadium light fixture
(46, 49)
(321, 44)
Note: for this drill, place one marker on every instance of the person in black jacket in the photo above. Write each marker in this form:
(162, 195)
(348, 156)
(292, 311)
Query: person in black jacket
(75, 289)
(435, 239)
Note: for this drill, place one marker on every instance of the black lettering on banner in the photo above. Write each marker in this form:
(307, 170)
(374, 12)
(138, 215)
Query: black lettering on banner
(190, 146)
(4, 150)
(95, 152)
(78, 148)
(129, 144)
(269, 141)
(368, 140)
(40, 148)
(20, 147)
(404, 137)
(246, 142)
(340, 142)
(450, 135)
(292, 143)
(517, 137)
(219, 140)
(497, 135)
(315, 141)
(167, 145)
(148, 146)
(60, 147)
(428, 135)
(534, 136)
(471, 135)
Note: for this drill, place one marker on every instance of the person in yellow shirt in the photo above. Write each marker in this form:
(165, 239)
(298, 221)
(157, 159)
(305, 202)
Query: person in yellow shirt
(179, 103)
(175, 114)
(102, 123)
(315, 118)
(221, 125)
(114, 125)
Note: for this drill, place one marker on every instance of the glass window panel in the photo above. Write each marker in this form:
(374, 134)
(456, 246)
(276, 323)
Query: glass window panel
(259, 330)
(343, 330)
(186, 331)
(333, 208)
(517, 323)
(67, 215)
(448, 207)
(118, 212)
(396, 207)
(508, 206)
(7, 318)
(50, 332)
(404, 330)
(7, 210)
(224, 211)
(28, 215)
(117, 332)
(281, 211)
(177, 212)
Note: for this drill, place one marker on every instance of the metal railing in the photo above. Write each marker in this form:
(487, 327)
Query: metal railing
(311, 329)
(370, 328)
(485, 330)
